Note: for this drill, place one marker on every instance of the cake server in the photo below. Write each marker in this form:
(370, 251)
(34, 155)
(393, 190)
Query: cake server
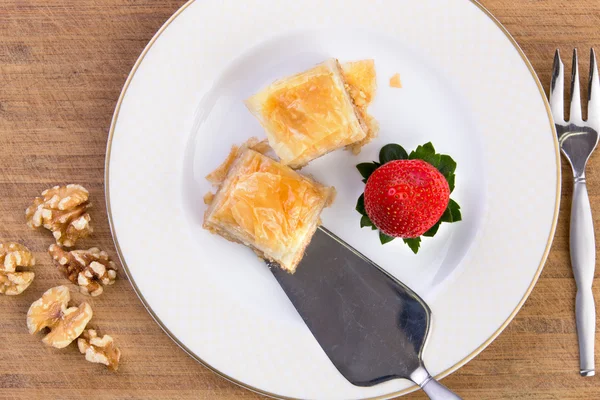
(372, 327)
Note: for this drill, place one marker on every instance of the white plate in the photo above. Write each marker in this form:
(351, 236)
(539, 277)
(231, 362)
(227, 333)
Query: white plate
(467, 87)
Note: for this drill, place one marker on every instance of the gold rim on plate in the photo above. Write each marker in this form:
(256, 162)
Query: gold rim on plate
(259, 391)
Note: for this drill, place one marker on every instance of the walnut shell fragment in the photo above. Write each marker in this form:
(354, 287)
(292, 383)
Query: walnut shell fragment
(50, 311)
(63, 211)
(88, 269)
(100, 350)
(13, 255)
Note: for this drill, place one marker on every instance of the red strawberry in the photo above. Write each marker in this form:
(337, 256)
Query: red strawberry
(405, 198)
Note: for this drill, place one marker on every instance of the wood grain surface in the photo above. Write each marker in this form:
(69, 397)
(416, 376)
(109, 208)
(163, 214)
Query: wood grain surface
(62, 66)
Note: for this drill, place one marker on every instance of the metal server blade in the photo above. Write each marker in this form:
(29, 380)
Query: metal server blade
(371, 326)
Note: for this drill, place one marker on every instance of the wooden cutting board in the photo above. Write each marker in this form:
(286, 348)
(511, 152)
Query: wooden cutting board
(62, 66)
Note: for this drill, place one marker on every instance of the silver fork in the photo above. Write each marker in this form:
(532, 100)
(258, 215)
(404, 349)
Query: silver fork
(578, 139)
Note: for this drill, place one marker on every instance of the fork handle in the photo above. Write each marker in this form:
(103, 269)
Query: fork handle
(583, 261)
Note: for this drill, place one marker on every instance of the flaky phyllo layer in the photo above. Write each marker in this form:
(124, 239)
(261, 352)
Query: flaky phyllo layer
(317, 111)
(266, 206)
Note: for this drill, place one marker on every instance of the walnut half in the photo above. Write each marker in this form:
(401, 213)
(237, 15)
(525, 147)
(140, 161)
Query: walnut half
(63, 211)
(50, 311)
(13, 255)
(100, 350)
(88, 269)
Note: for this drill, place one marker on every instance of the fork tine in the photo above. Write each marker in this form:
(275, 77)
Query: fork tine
(557, 85)
(594, 91)
(575, 114)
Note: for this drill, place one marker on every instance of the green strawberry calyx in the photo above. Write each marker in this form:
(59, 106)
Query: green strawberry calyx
(390, 152)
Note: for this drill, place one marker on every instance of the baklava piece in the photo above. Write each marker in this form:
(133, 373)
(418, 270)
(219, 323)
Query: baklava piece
(309, 114)
(266, 206)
